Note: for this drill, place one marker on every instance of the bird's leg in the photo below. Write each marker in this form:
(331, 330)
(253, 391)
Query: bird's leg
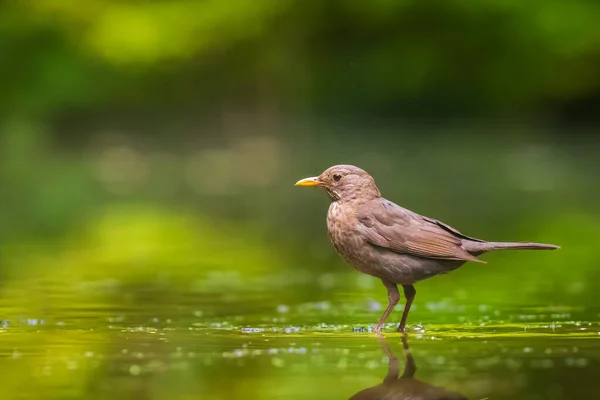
(411, 367)
(409, 293)
(393, 299)
(393, 367)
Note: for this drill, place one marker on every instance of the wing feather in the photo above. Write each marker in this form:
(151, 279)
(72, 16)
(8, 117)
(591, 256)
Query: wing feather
(385, 224)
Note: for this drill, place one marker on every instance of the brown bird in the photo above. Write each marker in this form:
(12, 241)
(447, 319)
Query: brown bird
(405, 386)
(396, 245)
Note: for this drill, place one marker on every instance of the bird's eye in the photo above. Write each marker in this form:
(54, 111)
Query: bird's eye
(337, 177)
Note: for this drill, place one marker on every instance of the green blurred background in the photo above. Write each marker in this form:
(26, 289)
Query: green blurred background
(149, 151)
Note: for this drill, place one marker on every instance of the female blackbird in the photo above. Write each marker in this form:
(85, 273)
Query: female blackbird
(398, 246)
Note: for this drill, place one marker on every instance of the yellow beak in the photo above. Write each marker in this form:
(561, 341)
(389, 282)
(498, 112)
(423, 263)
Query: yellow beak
(312, 181)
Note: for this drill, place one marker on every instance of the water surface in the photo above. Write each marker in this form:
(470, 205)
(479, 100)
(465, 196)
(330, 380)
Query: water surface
(158, 344)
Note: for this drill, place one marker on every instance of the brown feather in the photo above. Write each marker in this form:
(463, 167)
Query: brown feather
(385, 224)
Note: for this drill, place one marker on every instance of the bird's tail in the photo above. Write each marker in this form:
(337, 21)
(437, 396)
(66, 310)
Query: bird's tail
(521, 246)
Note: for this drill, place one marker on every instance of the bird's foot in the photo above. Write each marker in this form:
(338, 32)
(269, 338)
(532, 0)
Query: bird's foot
(378, 330)
(403, 330)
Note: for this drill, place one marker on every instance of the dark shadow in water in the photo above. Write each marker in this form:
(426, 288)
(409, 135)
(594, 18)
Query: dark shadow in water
(405, 386)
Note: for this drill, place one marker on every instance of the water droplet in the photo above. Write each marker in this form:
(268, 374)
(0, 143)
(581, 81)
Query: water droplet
(135, 370)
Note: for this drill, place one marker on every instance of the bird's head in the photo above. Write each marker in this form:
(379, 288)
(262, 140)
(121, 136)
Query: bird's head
(344, 183)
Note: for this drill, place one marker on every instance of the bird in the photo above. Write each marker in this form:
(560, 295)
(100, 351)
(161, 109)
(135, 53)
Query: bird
(405, 386)
(400, 247)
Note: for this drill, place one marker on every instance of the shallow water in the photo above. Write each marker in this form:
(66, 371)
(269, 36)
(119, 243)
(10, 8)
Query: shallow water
(184, 346)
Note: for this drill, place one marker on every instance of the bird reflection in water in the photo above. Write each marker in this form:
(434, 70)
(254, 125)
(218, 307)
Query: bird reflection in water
(405, 386)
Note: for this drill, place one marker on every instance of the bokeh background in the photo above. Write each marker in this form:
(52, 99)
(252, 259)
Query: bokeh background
(149, 151)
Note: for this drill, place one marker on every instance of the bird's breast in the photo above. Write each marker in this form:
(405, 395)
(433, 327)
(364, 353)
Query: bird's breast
(341, 227)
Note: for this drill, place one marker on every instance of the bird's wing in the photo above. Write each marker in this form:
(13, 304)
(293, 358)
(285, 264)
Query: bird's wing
(450, 229)
(385, 224)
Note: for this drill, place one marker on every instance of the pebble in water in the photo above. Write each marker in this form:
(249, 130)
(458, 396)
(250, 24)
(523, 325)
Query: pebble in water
(252, 330)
